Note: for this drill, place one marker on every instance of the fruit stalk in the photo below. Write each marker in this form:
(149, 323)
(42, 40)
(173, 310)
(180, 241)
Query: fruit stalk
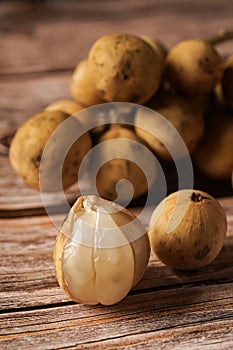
(220, 37)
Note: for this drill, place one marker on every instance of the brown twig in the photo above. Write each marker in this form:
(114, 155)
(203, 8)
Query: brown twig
(220, 37)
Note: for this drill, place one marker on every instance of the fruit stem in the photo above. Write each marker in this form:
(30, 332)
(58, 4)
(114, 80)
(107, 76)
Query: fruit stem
(220, 37)
(196, 197)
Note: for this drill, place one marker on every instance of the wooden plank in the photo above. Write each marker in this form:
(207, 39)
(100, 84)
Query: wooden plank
(210, 335)
(73, 325)
(30, 31)
(27, 275)
(16, 199)
(36, 68)
(167, 309)
(23, 98)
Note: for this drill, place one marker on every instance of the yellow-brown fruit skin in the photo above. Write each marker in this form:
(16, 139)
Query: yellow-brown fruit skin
(27, 150)
(117, 169)
(67, 106)
(82, 87)
(194, 67)
(159, 48)
(214, 155)
(59, 246)
(184, 116)
(198, 238)
(125, 68)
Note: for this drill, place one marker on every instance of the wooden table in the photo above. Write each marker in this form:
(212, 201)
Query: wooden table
(40, 44)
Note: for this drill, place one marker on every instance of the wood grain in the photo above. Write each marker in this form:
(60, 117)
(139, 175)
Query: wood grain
(72, 325)
(16, 199)
(166, 307)
(56, 35)
(25, 97)
(40, 43)
(35, 65)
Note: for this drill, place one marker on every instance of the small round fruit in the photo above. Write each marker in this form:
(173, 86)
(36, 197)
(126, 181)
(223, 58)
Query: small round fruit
(46, 160)
(101, 252)
(82, 87)
(194, 67)
(158, 46)
(125, 68)
(174, 112)
(67, 106)
(187, 229)
(214, 155)
(110, 179)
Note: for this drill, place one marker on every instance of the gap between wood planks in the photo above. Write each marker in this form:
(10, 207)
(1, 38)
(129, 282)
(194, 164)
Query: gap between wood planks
(159, 337)
(132, 293)
(72, 312)
(147, 318)
(33, 74)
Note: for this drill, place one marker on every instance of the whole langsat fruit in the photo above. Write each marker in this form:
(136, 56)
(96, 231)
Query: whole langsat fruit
(168, 113)
(187, 229)
(194, 67)
(64, 105)
(82, 86)
(110, 179)
(159, 48)
(42, 152)
(125, 68)
(214, 154)
(101, 251)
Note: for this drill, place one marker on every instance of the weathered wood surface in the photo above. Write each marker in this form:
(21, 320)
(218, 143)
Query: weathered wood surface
(169, 308)
(40, 44)
(16, 199)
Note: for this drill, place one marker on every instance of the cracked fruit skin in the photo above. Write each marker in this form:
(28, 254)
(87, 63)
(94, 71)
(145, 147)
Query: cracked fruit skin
(101, 252)
(190, 234)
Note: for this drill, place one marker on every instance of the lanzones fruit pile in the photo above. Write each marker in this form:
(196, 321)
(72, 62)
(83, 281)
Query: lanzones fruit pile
(191, 86)
(102, 249)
